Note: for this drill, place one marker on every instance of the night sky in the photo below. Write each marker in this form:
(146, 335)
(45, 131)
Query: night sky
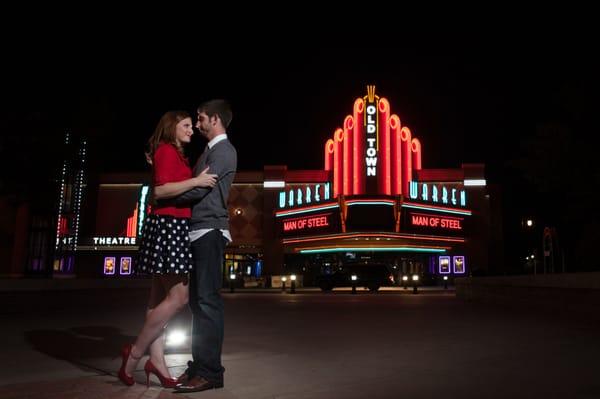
(467, 101)
(286, 103)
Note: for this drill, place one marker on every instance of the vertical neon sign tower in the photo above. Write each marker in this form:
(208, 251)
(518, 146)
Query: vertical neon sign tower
(373, 153)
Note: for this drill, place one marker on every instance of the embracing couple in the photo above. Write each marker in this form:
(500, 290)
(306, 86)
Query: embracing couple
(182, 246)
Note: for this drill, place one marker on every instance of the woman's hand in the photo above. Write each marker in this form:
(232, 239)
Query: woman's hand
(205, 179)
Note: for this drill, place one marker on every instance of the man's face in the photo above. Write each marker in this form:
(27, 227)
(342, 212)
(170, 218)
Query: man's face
(204, 124)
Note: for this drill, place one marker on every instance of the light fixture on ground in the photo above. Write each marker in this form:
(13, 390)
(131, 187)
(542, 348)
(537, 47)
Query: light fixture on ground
(353, 278)
(415, 280)
(175, 338)
(293, 283)
(445, 282)
(232, 282)
(405, 282)
(283, 280)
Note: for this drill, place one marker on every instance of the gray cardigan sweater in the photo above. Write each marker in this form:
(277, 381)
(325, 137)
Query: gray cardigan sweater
(209, 205)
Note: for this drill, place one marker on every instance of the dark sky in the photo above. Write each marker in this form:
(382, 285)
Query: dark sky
(286, 102)
(467, 100)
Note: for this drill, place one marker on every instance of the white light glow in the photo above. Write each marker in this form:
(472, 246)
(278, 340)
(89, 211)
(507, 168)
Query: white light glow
(176, 338)
(475, 182)
(273, 184)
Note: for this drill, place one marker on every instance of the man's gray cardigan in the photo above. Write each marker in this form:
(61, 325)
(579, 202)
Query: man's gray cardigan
(209, 205)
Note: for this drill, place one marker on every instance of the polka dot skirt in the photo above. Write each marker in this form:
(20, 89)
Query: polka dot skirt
(165, 246)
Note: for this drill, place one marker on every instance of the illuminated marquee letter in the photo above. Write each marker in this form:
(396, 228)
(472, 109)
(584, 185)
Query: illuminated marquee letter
(282, 199)
(414, 190)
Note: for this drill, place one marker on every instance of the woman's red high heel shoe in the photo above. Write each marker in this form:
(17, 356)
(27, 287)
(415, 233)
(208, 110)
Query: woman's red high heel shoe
(125, 353)
(166, 382)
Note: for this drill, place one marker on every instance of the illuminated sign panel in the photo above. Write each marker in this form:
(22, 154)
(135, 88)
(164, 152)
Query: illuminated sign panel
(305, 195)
(371, 140)
(114, 241)
(306, 222)
(374, 154)
(442, 222)
(458, 264)
(444, 262)
(109, 265)
(125, 267)
(309, 223)
(433, 223)
(439, 194)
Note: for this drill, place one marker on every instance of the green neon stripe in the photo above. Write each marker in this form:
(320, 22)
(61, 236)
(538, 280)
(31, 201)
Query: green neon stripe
(426, 208)
(307, 210)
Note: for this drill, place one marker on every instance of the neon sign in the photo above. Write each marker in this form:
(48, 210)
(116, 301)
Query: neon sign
(142, 206)
(306, 222)
(371, 153)
(306, 195)
(443, 222)
(438, 194)
(114, 240)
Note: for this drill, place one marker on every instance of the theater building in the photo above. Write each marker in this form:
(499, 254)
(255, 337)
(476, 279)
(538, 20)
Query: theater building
(373, 201)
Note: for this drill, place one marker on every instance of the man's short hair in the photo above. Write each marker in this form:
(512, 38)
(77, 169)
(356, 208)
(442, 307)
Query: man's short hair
(217, 107)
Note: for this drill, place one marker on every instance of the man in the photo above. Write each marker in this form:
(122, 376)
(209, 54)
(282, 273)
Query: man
(209, 234)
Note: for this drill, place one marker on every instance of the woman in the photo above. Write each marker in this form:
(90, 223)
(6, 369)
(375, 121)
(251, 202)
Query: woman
(165, 247)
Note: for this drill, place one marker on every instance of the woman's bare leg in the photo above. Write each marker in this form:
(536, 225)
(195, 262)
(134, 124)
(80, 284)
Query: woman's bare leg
(156, 319)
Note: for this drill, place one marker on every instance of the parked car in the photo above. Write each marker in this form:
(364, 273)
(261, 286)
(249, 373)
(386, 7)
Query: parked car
(369, 275)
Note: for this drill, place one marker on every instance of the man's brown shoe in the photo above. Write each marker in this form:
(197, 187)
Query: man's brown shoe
(197, 384)
(183, 378)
